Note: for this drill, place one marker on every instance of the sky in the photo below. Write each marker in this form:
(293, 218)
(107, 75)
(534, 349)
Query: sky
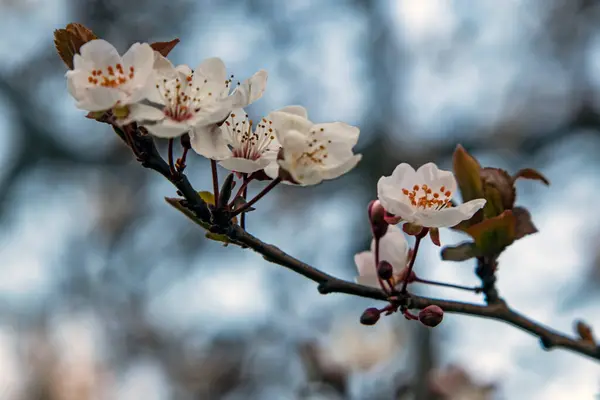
(539, 275)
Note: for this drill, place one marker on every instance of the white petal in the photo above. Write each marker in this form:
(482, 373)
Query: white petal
(142, 112)
(284, 122)
(243, 165)
(435, 178)
(272, 170)
(338, 132)
(140, 56)
(303, 175)
(250, 90)
(389, 192)
(76, 82)
(339, 170)
(100, 53)
(212, 69)
(295, 110)
(167, 129)
(99, 98)
(210, 142)
(365, 263)
(449, 217)
(80, 63)
(393, 248)
(163, 65)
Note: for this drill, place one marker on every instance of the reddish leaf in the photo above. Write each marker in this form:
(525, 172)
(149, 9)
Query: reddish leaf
(503, 182)
(164, 48)
(68, 41)
(585, 332)
(530, 173)
(524, 226)
(434, 234)
(461, 252)
(494, 234)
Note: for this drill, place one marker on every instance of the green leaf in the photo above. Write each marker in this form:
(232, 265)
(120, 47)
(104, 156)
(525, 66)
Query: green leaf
(208, 197)
(466, 170)
(493, 235)
(493, 206)
(460, 252)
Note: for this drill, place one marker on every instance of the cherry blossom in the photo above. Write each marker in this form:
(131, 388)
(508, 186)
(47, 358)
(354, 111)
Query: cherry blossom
(423, 197)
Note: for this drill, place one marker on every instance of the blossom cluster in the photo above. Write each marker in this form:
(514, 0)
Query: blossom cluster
(143, 93)
(145, 88)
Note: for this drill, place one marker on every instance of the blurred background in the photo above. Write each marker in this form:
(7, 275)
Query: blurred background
(108, 293)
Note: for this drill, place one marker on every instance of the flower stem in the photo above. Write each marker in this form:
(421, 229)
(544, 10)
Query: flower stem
(244, 194)
(449, 285)
(215, 176)
(242, 191)
(180, 163)
(170, 153)
(376, 255)
(412, 262)
(256, 198)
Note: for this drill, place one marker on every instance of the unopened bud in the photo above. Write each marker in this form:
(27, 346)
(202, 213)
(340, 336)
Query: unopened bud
(431, 316)
(370, 316)
(402, 275)
(385, 270)
(376, 216)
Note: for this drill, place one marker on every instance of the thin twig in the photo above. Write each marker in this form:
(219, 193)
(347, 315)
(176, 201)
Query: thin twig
(497, 310)
(170, 155)
(215, 178)
(411, 264)
(449, 285)
(256, 198)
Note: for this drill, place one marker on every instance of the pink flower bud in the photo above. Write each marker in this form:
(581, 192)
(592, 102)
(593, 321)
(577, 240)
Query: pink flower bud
(376, 216)
(431, 316)
(370, 316)
(385, 270)
(391, 218)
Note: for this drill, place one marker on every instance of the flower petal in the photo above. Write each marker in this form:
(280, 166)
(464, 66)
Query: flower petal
(339, 170)
(435, 178)
(209, 142)
(250, 90)
(212, 69)
(142, 112)
(100, 53)
(99, 98)
(284, 122)
(449, 217)
(243, 165)
(167, 129)
(393, 248)
(338, 132)
(295, 110)
(272, 170)
(365, 263)
(140, 56)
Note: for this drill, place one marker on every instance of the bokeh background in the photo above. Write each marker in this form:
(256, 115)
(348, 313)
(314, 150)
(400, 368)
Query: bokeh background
(108, 293)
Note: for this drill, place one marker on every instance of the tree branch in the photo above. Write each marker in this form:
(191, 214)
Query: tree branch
(497, 310)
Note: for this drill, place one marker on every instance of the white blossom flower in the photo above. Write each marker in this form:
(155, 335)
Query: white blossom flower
(393, 248)
(101, 79)
(195, 101)
(312, 152)
(423, 197)
(252, 151)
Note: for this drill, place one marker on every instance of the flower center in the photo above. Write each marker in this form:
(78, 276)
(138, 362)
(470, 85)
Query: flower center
(248, 144)
(317, 149)
(424, 197)
(114, 76)
(183, 97)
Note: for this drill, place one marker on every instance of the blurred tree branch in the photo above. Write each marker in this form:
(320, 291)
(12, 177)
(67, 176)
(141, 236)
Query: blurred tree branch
(498, 310)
